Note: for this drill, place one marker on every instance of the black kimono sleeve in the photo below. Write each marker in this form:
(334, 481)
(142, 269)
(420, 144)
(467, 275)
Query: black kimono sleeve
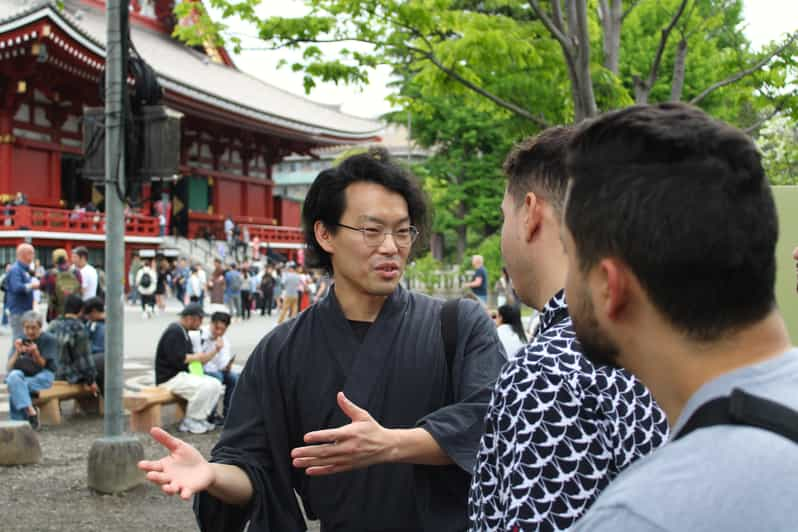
(254, 439)
(479, 357)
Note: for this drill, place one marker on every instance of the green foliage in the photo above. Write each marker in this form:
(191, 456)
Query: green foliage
(424, 269)
(778, 141)
(497, 58)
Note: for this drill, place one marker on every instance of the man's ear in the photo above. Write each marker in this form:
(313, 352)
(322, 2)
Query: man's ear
(616, 284)
(531, 215)
(323, 236)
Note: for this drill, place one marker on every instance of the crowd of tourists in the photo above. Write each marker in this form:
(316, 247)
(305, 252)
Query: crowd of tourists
(242, 288)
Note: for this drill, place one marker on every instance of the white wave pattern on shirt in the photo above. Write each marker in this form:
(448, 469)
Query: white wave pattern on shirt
(558, 429)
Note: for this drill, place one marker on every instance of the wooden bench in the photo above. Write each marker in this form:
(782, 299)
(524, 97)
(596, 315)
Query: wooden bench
(49, 401)
(145, 407)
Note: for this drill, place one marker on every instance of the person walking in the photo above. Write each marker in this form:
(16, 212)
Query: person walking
(20, 285)
(146, 283)
(267, 291)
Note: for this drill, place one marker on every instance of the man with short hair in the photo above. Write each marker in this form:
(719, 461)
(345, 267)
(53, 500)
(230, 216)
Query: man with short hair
(479, 283)
(668, 211)
(172, 358)
(88, 274)
(575, 425)
(220, 366)
(75, 360)
(355, 405)
(20, 286)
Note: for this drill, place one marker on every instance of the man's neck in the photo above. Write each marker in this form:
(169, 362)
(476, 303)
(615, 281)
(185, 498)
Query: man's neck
(550, 279)
(675, 368)
(358, 306)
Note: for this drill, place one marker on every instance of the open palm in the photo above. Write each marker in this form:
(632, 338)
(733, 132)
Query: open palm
(183, 472)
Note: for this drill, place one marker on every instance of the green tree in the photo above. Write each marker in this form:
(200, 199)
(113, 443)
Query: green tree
(778, 141)
(547, 62)
(463, 176)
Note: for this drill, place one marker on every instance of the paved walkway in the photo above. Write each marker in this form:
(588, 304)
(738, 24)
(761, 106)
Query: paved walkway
(141, 337)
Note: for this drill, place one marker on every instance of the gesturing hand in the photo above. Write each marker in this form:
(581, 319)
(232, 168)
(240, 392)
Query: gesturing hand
(184, 472)
(361, 443)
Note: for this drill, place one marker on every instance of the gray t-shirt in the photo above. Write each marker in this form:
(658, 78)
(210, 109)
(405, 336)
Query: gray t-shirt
(729, 478)
(291, 282)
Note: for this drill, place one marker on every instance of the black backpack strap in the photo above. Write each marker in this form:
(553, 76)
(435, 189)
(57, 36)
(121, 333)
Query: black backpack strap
(742, 408)
(449, 331)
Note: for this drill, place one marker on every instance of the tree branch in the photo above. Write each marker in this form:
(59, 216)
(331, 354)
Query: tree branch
(629, 9)
(663, 42)
(555, 31)
(756, 125)
(520, 111)
(743, 73)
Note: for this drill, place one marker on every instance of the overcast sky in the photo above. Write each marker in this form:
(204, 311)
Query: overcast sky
(766, 20)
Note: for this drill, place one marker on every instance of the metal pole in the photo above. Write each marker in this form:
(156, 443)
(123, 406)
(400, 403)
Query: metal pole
(114, 217)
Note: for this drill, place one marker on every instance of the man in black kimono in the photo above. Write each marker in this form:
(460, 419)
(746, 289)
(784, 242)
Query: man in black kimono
(352, 404)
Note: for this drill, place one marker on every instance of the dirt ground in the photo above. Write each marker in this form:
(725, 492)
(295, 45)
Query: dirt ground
(53, 495)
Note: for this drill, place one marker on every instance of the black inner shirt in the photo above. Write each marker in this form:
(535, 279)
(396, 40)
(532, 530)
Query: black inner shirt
(360, 328)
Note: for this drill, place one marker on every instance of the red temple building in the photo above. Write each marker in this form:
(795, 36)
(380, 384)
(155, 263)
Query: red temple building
(234, 129)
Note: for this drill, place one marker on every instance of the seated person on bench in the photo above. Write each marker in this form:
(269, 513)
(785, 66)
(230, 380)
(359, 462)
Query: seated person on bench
(31, 368)
(219, 367)
(75, 363)
(94, 316)
(172, 359)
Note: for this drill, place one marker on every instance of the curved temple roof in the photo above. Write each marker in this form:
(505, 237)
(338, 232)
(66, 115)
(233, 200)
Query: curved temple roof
(189, 73)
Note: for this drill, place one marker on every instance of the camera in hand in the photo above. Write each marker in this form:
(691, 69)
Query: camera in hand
(27, 341)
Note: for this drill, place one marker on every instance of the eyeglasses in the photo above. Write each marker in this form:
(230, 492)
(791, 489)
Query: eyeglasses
(375, 235)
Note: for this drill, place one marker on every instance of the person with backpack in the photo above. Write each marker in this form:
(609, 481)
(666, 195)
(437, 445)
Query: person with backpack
(59, 283)
(146, 283)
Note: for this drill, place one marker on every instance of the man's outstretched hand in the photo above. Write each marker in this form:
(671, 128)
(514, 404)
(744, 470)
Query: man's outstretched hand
(183, 472)
(361, 443)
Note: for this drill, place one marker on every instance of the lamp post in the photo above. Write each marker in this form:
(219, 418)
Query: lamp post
(113, 458)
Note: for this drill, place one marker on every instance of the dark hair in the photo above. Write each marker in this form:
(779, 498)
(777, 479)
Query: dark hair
(512, 316)
(73, 304)
(81, 251)
(326, 199)
(683, 200)
(537, 164)
(92, 304)
(222, 317)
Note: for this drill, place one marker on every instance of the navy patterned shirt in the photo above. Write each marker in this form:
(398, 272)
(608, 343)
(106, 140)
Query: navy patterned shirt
(557, 431)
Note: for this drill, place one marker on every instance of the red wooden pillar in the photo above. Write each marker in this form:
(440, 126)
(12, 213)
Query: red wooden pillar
(6, 148)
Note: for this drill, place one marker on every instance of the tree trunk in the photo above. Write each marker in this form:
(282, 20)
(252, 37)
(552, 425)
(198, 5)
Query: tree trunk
(437, 245)
(462, 234)
(578, 29)
(641, 89)
(679, 62)
(611, 17)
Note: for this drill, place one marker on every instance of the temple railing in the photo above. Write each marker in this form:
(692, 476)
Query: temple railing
(30, 218)
(203, 225)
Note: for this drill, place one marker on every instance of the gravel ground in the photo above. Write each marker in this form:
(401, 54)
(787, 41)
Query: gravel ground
(53, 495)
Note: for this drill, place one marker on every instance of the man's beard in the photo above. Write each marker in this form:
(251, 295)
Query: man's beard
(596, 346)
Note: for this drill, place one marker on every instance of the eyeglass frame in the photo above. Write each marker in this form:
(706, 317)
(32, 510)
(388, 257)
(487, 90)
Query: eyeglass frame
(414, 232)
